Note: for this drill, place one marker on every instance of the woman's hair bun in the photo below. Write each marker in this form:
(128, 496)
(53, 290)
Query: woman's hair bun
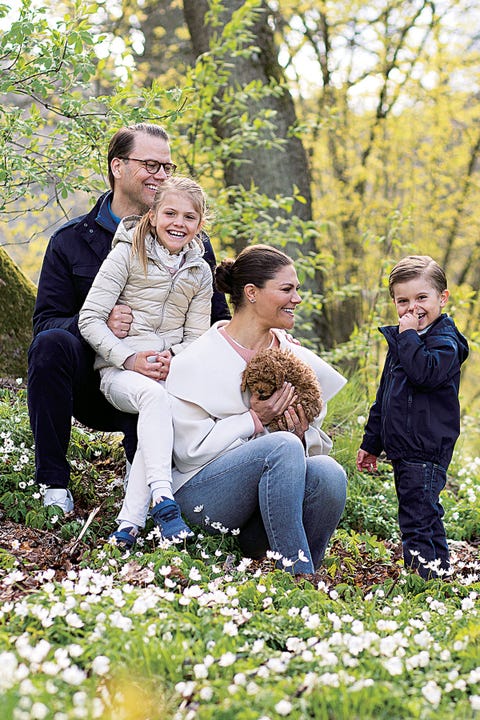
(223, 275)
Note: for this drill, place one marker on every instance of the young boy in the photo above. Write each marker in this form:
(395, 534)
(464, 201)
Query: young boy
(415, 418)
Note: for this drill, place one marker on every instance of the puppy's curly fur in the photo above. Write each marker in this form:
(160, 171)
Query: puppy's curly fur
(269, 369)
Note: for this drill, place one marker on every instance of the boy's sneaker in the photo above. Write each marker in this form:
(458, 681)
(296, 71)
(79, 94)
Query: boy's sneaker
(60, 497)
(166, 514)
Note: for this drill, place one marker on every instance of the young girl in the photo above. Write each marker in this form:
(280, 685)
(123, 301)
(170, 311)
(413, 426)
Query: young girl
(156, 268)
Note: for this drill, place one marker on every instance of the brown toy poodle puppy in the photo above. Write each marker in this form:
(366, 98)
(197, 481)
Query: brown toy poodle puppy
(267, 371)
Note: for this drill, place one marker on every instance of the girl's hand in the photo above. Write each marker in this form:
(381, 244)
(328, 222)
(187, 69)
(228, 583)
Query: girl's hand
(275, 405)
(150, 363)
(294, 420)
(165, 358)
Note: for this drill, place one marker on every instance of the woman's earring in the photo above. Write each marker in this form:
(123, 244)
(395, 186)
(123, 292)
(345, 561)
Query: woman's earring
(252, 300)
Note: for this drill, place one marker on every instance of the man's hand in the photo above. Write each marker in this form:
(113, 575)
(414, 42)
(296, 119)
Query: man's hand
(119, 320)
(366, 461)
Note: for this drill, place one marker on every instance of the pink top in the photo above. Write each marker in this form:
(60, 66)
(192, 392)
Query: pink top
(247, 355)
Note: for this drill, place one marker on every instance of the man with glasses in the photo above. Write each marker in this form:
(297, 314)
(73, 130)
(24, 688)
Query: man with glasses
(61, 379)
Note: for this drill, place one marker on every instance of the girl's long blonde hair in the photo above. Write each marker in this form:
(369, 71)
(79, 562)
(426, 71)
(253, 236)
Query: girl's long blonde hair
(176, 184)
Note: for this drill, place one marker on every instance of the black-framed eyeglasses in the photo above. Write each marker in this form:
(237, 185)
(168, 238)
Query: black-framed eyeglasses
(153, 166)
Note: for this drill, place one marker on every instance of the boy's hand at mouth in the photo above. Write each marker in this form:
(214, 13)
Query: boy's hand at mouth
(409, 321)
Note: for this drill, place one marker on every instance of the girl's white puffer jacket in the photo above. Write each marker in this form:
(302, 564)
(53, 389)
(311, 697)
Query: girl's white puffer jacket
(171, 308)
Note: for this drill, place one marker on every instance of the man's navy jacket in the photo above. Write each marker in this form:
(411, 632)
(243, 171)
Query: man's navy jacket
(416, 414)
(73, 258)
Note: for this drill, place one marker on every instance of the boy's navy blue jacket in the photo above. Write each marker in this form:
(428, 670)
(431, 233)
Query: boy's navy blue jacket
(73, 258)
(416, 414)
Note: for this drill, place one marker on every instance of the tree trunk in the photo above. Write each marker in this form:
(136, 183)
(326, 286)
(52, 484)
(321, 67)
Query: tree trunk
(274, 172)
(167, 49)
(17, 298)
(277, 172)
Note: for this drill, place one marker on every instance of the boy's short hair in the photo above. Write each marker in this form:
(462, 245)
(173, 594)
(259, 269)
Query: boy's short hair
(414, 266)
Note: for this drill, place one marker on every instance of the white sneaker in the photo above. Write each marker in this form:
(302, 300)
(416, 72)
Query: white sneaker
(59, 496)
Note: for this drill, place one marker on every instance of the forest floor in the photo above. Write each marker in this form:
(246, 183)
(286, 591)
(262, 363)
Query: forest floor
(39, 551)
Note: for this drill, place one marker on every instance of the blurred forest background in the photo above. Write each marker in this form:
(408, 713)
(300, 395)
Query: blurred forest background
(346, 132)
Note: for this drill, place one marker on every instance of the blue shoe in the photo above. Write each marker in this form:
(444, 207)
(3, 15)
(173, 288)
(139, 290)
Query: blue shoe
(167, 516)
(123, 539)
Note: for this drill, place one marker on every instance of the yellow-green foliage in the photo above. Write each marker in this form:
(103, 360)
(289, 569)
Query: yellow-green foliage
(17, 297)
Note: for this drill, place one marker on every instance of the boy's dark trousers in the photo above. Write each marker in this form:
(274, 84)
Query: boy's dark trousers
(418, 485)
(62, 384)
